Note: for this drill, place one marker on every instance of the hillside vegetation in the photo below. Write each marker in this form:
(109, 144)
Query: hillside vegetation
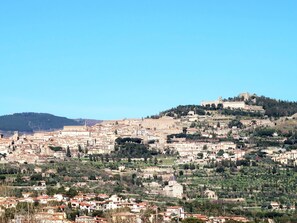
(277, 108)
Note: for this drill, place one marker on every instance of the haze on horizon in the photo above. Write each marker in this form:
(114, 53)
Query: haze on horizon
(125, 59)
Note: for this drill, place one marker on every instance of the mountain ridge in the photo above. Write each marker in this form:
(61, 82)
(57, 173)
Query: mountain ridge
(30, 122)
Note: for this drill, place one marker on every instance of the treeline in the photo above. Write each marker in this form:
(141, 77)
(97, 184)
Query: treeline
(220, 167)
(134, 151)
(291, 139)
(238, 112)
(196, 136)
(9, 170)
(132, 148)
(276, 108)
(126, 148)
(264, 132)
(56, 148)
(122, 141)
(264, 136)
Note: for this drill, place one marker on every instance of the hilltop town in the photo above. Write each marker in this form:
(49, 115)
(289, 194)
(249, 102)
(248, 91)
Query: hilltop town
(227, 160)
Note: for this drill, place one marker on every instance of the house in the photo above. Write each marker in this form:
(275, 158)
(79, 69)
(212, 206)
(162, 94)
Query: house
(103, 196)
(50, 217)
(87, 206)
(174, 212)
(27, 200)
(74, 203)
(211, 194)
(85, 219)
(173, 189)
(8, 203)
(121, 168)
(26, 195)
(274, 205)
(44, 199)
(58, 197)
(101, 220)
(138, 207)
(37, 170)
(122, 217)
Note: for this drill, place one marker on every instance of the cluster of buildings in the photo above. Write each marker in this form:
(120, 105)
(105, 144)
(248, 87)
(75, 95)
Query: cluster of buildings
(288, 158)
(83, 140)
(216, 141)
(123, 210)
(42, 147)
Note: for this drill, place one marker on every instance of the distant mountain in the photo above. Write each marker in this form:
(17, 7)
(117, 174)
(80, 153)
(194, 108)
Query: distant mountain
(31, 122)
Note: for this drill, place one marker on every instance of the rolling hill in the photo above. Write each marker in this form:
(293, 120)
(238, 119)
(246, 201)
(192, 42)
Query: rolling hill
(31, 122)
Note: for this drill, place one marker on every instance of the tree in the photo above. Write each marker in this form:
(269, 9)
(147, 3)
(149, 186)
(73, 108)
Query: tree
(220, 169)
(92, 177)
(79, 149)
(192, 166)
(97, 213)
(9, 213)
(107, 158)
(68, 153)
(155, 161)
(50, 191)
(186, 166)
(71, 192)
(2, 178)
(235, 122)
(71, 215)
(200, 155)
(220, 153)
(36, 177)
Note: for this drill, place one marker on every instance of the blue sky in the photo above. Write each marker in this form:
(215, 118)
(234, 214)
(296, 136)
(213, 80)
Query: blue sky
(123, 59)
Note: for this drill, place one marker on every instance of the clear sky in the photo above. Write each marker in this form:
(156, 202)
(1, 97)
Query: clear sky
(108, 59)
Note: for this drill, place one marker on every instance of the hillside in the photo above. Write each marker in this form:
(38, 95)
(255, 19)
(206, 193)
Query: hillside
(30, 122)
(183, 110)
(273, 108)
(276, 108)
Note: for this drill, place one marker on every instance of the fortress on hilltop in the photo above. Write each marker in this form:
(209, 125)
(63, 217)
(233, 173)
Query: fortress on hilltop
(239, 104)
